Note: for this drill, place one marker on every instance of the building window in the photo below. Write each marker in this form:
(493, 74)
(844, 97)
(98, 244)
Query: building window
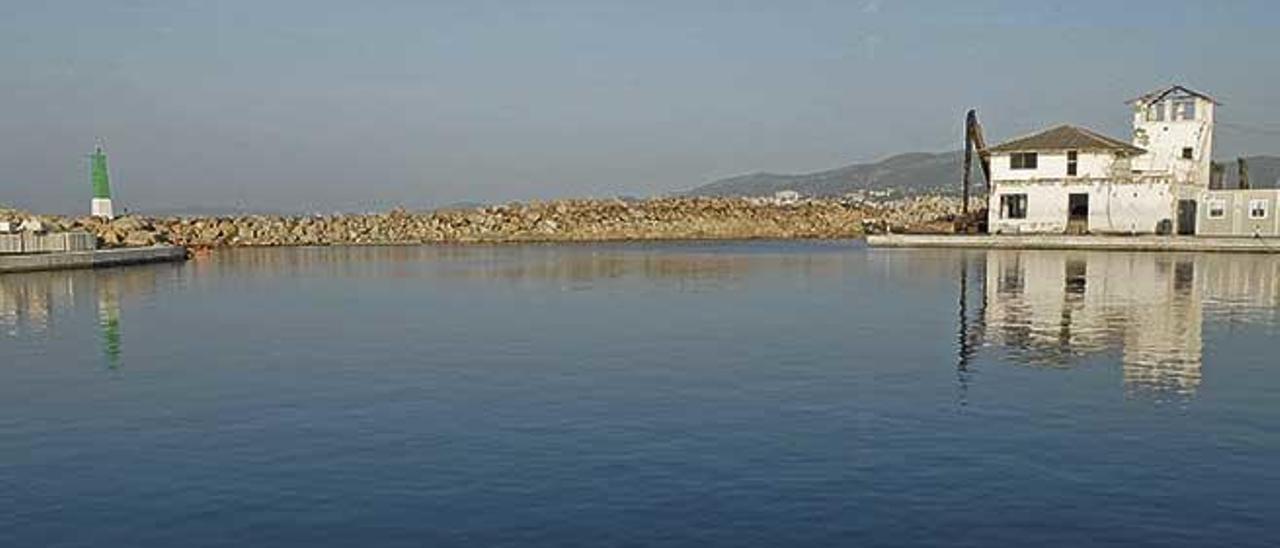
(1023, 160)
(1155, 113)
(1184, 110)
(1217, 209)
(1013, 206)
(1072, 162)
(1187, 153)
(1257, 209)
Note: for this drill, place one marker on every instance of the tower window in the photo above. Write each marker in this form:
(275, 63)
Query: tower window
(1187, 153)
(1072, 162)
(1184, 109)
(1155, 113)
(1022, 160)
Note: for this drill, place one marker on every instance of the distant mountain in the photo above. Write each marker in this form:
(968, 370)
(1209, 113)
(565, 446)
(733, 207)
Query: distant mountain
(912, 174)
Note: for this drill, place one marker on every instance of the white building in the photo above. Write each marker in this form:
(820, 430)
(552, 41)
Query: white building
(1071, 180)
(786, 197)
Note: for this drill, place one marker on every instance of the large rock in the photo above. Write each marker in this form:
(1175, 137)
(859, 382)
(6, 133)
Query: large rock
(130, 223)
(110, 238)
(141, 238)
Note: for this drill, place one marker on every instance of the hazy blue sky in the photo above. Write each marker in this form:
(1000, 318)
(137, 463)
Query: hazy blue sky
(322, 105)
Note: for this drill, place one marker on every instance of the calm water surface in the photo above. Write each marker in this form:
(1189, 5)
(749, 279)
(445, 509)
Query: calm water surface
(740, 394)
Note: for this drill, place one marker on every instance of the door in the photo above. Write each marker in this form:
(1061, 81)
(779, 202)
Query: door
(1186, 217)
(1077, 213)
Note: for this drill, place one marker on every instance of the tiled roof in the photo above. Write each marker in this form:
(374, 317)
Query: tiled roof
(1067, 137)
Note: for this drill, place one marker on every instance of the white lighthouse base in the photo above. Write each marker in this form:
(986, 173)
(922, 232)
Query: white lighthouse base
(101, 207)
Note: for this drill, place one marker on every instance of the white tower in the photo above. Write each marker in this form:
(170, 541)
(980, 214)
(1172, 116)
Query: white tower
(1175, 126)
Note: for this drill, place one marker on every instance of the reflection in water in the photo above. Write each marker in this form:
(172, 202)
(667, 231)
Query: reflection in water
(109, 321)
(969, 335)
(32, 303)
(694, 266)
(1053, 309)
(28, 303)
(1036, 308)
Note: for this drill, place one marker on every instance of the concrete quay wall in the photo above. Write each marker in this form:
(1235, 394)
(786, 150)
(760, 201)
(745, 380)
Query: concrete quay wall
(91, 259)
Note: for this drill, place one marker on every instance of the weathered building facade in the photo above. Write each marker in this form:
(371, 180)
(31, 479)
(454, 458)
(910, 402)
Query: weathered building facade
(1072, 180)
(1069, 179)
(1174, 126)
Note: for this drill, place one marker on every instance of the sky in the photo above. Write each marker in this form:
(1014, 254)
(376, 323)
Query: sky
(319, 105)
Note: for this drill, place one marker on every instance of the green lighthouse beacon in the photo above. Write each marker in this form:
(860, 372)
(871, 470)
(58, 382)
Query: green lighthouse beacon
(101, 205)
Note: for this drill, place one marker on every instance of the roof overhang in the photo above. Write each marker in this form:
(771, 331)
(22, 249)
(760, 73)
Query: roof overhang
(1160, 94)
(1066, 138)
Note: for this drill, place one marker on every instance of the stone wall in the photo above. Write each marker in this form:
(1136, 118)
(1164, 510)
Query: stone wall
(557, 221)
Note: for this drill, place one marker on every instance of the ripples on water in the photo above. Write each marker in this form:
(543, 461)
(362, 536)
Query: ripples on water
(698, 394)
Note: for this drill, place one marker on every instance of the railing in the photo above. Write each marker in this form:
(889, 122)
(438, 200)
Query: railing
(59, 242)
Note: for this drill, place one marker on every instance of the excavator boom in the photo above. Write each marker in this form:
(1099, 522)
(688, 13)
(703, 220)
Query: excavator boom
(974, 142)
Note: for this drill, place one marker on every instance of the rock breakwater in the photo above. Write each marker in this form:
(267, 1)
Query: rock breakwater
(555, 221)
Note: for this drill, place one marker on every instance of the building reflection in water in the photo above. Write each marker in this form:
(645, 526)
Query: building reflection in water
(28, 303)
(1055, 309)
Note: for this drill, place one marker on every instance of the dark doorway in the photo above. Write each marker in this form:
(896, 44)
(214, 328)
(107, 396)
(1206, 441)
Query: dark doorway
(1186, 217)
(1077, 213)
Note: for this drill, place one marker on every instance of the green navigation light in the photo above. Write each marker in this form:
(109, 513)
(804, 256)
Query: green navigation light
(101, 183)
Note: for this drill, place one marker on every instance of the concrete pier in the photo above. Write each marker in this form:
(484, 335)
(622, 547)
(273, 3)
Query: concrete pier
(101, 258)
(1093, 243)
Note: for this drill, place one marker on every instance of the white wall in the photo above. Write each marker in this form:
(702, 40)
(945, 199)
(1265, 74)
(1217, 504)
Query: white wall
(1046, 208)
(1113, 207)
(1130, 208)
(1053, 165)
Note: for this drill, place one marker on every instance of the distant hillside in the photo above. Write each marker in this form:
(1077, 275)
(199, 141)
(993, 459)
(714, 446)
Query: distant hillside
(911, 174)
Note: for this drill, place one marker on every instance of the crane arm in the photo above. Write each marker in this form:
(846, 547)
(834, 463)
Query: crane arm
(974, 142)
(973, 133)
